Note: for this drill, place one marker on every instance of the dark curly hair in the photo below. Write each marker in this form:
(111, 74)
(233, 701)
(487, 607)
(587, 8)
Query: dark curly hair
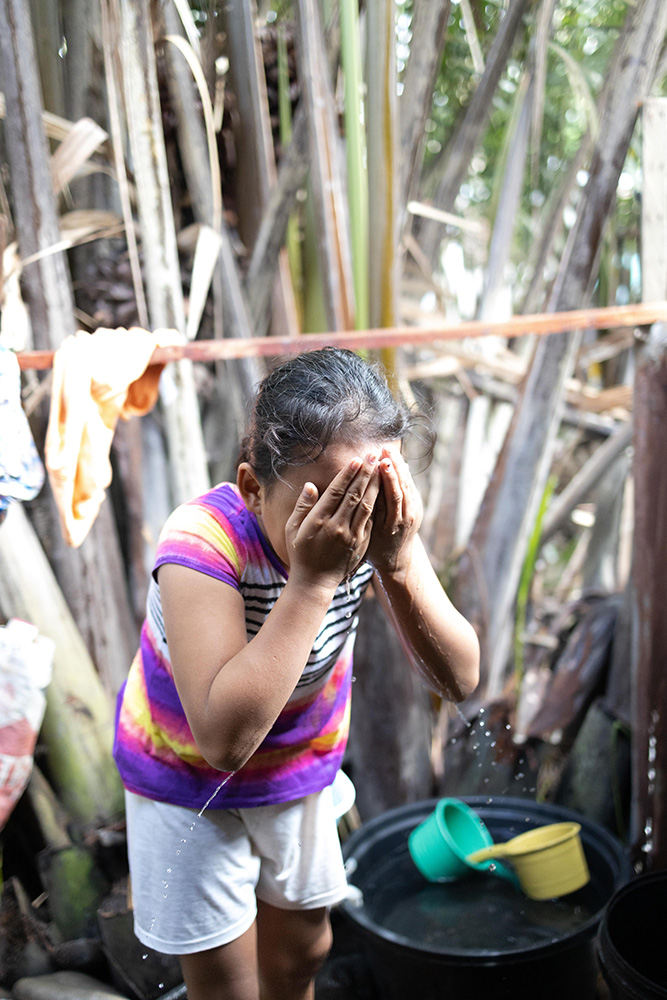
(317, 397)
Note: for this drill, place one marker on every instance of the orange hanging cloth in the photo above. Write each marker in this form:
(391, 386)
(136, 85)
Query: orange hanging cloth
(97, 378)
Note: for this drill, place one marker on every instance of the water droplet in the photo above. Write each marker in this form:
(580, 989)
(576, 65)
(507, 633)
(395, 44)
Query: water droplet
(354, 679)
(492, 866)
(168, 871)
(481, 711)
(178, 852)
(488, 732)
(453, 740)
(493, 743)
(144, 957)
(508, 726)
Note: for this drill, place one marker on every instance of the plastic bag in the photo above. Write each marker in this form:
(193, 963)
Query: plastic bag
(21, 470)
(25, 672)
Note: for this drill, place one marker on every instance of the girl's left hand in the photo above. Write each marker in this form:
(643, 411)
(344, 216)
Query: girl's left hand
(397, 516)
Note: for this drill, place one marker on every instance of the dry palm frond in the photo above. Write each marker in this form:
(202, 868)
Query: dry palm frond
(84, 139)
(193, 62)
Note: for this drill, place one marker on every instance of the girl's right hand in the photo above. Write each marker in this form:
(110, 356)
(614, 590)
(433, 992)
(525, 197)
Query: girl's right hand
(327, 536)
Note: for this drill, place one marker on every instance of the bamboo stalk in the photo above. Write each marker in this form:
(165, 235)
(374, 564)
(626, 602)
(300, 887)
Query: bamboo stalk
(539, 324)
(334, 256)
(355, 145)
(382, 139)
(78, 722)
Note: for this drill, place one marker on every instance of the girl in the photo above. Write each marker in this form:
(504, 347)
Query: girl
(238, 699)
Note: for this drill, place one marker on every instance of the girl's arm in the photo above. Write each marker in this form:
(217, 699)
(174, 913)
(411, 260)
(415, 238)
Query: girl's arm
(233, 690)
(439, 641)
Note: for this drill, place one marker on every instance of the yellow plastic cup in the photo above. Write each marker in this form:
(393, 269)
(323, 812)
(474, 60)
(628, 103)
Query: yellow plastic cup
(548, 860)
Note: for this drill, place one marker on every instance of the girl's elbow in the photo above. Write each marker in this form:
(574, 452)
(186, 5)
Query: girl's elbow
(225, 761)
(223, 755)
(466, 687)
(469, 674)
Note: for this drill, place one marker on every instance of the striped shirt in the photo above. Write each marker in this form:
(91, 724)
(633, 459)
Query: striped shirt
(154, 747)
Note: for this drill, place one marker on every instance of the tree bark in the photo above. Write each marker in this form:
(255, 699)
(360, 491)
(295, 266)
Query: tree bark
(648, 835)
(46, 286)
(649, 731)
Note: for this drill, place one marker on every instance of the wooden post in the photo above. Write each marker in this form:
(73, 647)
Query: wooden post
(649, 687)
(45, 284)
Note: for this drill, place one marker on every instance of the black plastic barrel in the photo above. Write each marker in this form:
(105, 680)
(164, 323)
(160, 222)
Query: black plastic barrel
(464, 939)
(632, 939)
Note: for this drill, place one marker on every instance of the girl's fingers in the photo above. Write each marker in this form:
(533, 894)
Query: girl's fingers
(339, 487)
(393, 492)
(347, 490)
(363, 511)
(305, 502)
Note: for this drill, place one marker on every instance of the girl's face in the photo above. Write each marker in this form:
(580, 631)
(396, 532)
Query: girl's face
(273, 507)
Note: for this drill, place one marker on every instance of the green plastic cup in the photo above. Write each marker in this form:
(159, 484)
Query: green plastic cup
(440, 845)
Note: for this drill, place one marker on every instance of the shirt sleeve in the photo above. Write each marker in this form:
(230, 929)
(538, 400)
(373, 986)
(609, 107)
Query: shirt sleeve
(196, 537)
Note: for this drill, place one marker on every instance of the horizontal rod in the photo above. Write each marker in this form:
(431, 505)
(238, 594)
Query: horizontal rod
(641, 314)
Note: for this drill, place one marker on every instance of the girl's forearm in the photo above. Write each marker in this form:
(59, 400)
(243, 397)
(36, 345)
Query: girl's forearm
(252, 687)
(439, 641)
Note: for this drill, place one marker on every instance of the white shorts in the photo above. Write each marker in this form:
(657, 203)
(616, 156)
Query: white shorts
(196, 879)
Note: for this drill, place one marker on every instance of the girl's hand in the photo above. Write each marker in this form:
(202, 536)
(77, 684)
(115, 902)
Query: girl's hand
(397, 517)
(327, 536)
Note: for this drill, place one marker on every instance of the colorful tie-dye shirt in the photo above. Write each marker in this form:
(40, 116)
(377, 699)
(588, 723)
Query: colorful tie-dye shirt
(154, 747)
